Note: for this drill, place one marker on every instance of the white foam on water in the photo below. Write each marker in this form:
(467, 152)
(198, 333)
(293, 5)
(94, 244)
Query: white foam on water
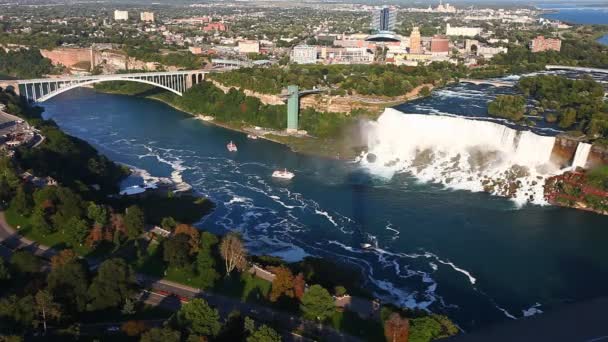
(533, 310)
(326, 215)
(461, 154)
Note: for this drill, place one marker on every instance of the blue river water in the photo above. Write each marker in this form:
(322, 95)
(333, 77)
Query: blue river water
(579, 13)
(477, 258)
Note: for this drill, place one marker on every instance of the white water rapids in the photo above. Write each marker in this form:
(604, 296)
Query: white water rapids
(461, 154)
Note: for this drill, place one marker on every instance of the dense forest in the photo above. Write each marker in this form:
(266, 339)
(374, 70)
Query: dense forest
(575, 104)
(235, 107)
(382, 80)
(519, 59)
(579, 104)
(510, 107)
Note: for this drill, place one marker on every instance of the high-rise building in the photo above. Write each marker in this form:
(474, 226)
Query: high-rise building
(121, 15)
(415, 41)
(147, 16)
(384, 20)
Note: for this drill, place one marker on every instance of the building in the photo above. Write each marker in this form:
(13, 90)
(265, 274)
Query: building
(384, 20)
(447, 8)
(303, 54)
(415, 41)
(338, 55)
(440, 45)
(462, 31)
(540, 44)
(121, 15)
(488, 52)
(196, 50)
(249, 46)
(147, 16)
(215, 26)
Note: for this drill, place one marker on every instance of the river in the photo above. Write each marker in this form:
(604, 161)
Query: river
(588, 13)
(475, 257)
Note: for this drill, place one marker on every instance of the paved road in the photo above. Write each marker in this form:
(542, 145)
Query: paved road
(11, 239)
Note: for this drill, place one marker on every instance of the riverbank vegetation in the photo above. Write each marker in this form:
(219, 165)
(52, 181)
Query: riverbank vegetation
(575, 104)
(24, 63)
(578, 103)
(373, 80)
(510, 107)
(584, 52)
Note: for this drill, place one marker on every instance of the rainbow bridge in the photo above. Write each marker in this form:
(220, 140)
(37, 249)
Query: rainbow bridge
(42, 89)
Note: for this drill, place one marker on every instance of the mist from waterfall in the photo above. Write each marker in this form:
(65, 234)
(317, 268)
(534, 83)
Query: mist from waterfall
(460, 153)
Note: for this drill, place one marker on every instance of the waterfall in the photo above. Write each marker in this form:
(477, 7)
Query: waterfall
(581, 155)
(460, 153)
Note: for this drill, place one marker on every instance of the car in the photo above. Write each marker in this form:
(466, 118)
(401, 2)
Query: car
(113, 328)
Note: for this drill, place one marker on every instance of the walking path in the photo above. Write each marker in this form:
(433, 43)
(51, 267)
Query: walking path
(11, 240)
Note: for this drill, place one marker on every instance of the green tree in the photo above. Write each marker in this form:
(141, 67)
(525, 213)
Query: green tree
(249, 325)
(25, 262)
(199, 318)
(567, 118)
(114, 283)
(77, 231)
(511, 107)
(98, 214)
(129, 307)
(39, 222)
(429, 328)
(264, 334)
(22, 202)
(20, 311)
(161, 335)
(175, 250)
(205, 260)
(5, 273)
(134, 221)
(168, 223)
(69, 284)
(317, 303)
(46, 307)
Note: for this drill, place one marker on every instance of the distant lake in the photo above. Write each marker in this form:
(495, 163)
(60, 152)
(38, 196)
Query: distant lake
(581, 14)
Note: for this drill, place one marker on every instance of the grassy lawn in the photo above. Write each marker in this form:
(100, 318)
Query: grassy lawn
(55, 240)
(350, 323)
(245, 287)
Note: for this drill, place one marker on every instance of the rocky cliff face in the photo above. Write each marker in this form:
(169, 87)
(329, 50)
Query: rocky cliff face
(564, 150)
(68, 56)
(598, 156)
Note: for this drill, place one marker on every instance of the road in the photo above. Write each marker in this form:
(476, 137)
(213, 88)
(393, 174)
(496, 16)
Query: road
(11, 240)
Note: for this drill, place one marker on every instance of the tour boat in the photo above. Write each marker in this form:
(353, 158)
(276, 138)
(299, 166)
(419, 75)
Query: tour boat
(252, 136)
(231, 147)
(283, 174)
(367, 246)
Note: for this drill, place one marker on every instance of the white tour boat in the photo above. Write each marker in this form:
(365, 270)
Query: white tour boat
(283, 174)
(252, 136)
(231, 147)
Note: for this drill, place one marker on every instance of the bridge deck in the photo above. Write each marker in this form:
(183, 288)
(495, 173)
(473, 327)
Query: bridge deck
(101, 77)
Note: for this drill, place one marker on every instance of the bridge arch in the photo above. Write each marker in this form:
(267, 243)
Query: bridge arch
(105, 79)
